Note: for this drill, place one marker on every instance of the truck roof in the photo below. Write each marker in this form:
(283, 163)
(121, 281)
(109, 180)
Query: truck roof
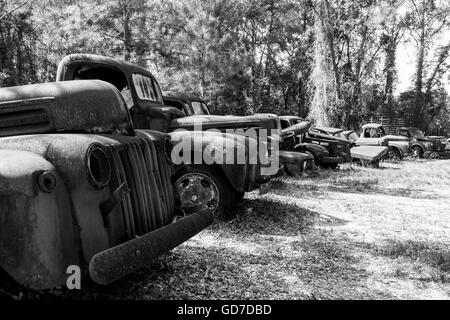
(372, 126)
(124, 66)
(181, 96)
(410, 128)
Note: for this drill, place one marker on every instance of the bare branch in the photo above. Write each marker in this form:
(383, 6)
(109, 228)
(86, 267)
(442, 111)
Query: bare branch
(13, 9)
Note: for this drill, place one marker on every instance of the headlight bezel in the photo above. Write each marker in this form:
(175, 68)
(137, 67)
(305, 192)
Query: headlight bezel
(98, 166)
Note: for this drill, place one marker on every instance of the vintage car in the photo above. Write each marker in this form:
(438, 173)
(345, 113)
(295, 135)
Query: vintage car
(328, 151)
(364, 155)
(194, 108)
(197, 184)
(421, 144)
(373, 134)
(349, 135)
(80, 186)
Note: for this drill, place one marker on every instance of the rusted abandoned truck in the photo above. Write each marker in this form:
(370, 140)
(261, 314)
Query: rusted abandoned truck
(79, 186)
(373, 134)
(195, 108)
(217, 186)
(328, 151)
(363, 155)
(422, 145)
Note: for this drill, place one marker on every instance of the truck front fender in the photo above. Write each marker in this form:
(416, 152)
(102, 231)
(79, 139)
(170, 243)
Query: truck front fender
(38, 235)
(239, 172)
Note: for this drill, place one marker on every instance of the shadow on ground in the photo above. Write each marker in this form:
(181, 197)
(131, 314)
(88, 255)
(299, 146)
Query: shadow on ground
(318, 187)
(421, 254)
(256, 217)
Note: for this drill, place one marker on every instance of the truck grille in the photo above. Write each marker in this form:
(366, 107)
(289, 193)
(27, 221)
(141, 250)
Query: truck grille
(150, 203)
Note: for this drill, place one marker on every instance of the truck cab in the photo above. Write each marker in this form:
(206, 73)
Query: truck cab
(80, 186)
(197, 183)
(374, 134)
(421, 144)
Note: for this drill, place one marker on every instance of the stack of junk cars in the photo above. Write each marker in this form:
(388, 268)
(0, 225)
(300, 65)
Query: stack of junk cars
(88, 177)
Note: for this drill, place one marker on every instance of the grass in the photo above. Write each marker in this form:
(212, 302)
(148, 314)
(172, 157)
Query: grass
(352, 233)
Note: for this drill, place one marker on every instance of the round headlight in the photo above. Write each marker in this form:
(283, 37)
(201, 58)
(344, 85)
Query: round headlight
(98, 167)
(47, 181)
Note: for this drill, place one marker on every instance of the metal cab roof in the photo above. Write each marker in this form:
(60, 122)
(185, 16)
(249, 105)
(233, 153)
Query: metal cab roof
(124, 66)
(188, 97)
(372, 126)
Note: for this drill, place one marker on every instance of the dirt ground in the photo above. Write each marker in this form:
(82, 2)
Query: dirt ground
(353, 233)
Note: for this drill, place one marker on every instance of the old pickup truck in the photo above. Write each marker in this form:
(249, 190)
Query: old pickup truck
(421, 144)
(197, 184)
(328, 151)
(80, 186)
(373, 134)
(195, 108)
(364, 155)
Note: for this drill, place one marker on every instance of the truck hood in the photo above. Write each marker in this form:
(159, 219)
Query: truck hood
(314, 134)
(394, 138)
(266, 121)
(90, 106)
(297, 129)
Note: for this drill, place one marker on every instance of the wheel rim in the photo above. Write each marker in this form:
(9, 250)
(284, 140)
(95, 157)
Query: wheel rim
(417, 152)
(198, 190)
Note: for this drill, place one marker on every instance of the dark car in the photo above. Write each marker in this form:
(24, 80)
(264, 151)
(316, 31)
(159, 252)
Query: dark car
(198, 184)
(328, 151)
(80, 186)
(194, 108)
(364, 155)
(373, 134)
(422, 144)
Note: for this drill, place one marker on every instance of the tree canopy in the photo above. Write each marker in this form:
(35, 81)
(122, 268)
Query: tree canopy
(331, 60)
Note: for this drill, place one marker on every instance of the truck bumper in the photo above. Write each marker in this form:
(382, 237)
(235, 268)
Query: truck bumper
(115, 263)
(265, 181)
(332, 160)
(369, 153)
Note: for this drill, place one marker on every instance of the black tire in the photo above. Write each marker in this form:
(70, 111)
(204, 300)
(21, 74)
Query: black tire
(418, 152)
(239, 196)
(211, 179)
(332, 166)
(312, 164)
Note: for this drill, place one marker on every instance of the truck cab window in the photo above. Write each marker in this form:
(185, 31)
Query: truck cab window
(146, 88)
(199, 108)
(179, 105)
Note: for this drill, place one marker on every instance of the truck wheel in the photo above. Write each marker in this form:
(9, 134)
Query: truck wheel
(418, 152)
(394, 155)
(202, 187)
(311, 164)
(239, 196)
(332, 166)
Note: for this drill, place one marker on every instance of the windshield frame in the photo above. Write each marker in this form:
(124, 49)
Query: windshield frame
(155, 86)
(413, 132)
(203, 106)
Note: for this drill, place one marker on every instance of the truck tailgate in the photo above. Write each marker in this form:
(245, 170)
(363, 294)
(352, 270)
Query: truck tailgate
(369, 153)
